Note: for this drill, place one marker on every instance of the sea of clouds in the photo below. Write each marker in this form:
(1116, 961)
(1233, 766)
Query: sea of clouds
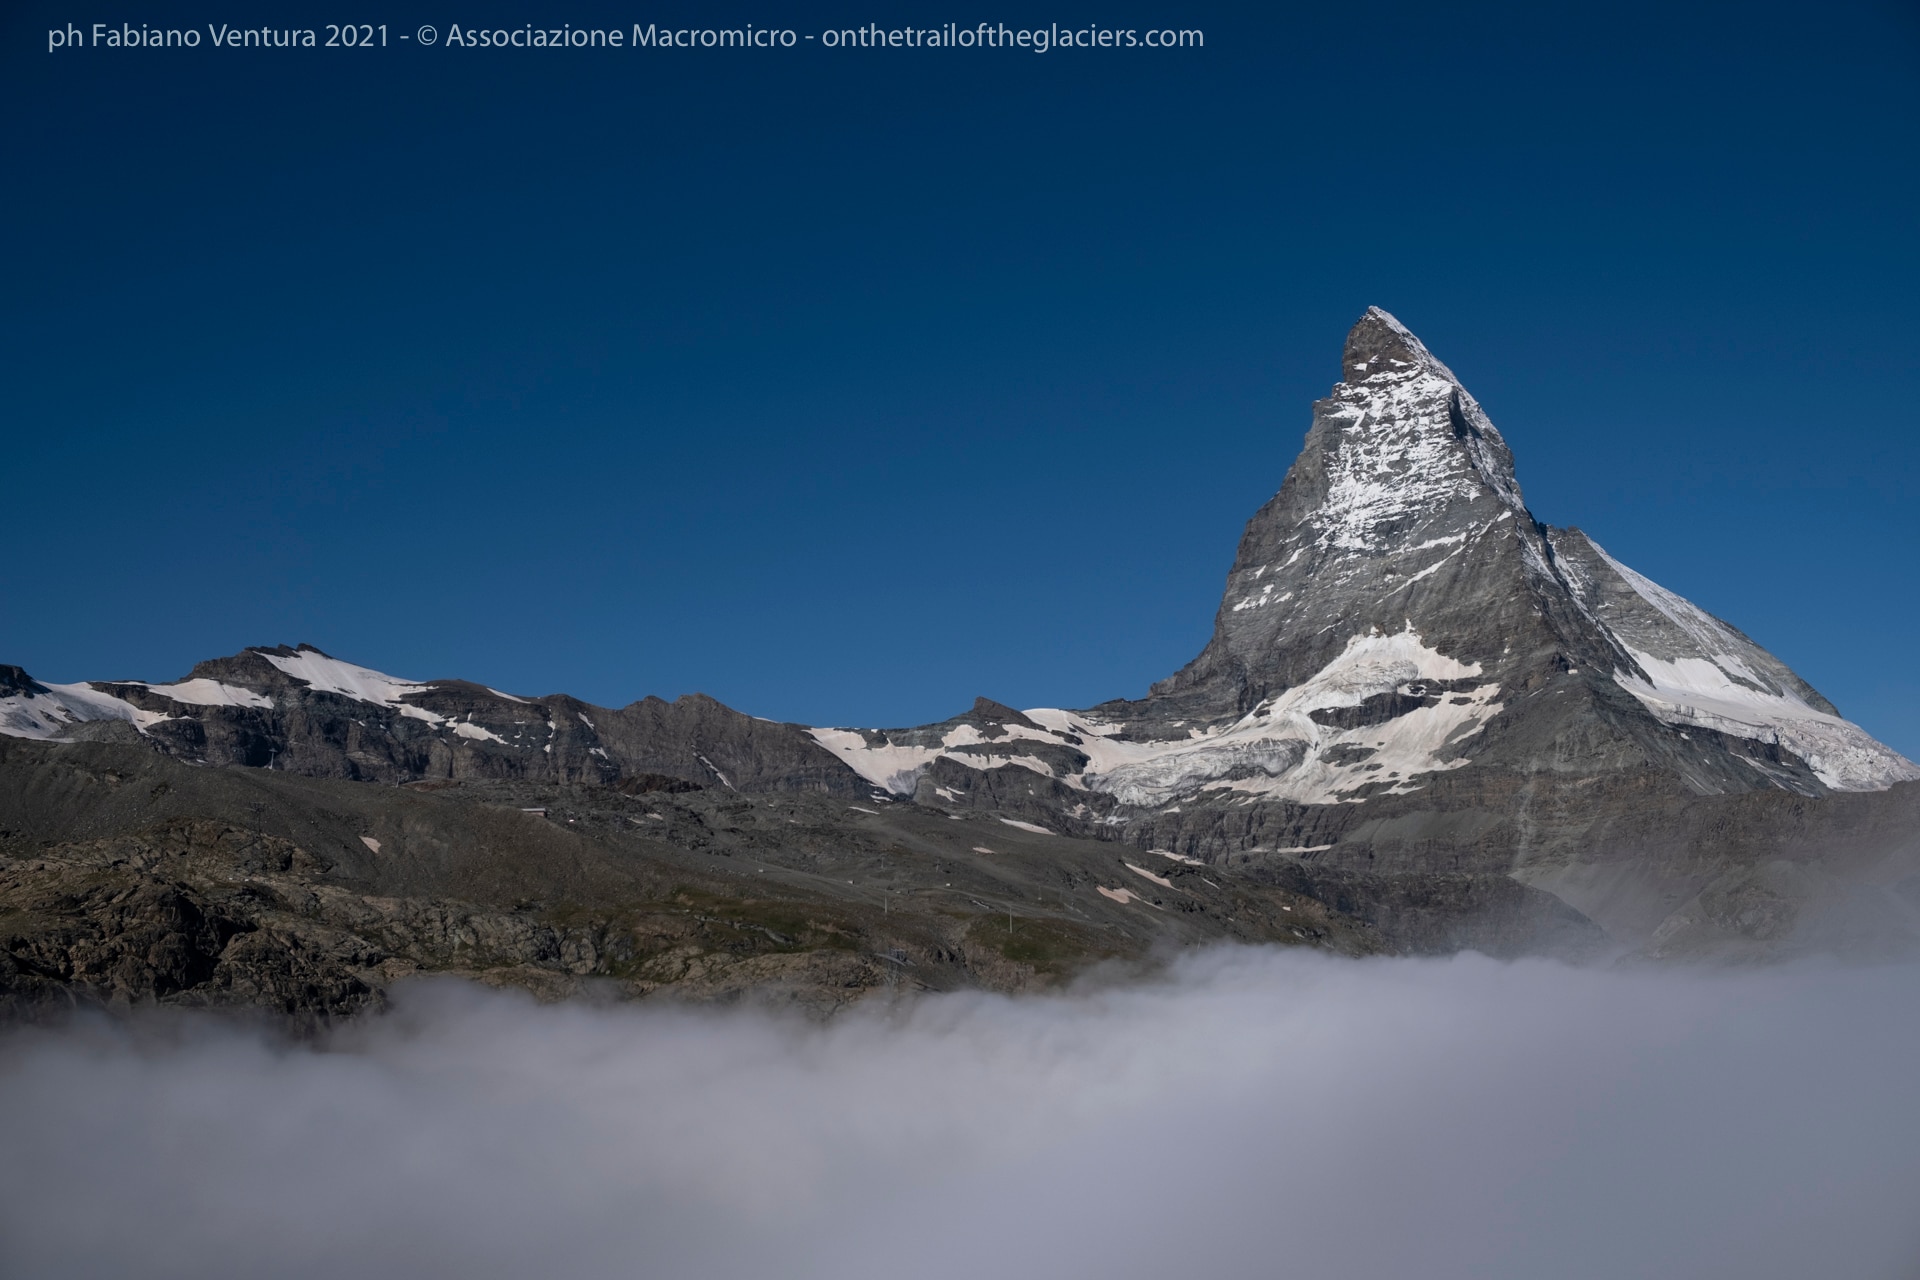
(1250, 1113)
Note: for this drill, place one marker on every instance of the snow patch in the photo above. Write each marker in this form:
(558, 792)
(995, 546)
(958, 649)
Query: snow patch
(1447, 541)
(1057, 722)
(210, 693)
(724, 780)
(330, 675)
(895, 768)
(1406, 464)
(1142, 871)
(1718, 688)
(1413, 578)
(1719, 693)
(1279, 750)
(50, 715)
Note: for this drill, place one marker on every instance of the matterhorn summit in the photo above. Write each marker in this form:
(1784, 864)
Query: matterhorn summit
(1402, 513)
(1399, 632)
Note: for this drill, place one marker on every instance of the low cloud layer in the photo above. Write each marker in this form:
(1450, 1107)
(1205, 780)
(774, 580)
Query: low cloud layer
(1254, 1114)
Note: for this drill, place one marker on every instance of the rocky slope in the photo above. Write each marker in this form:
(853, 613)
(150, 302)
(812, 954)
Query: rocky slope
(130, 877)
(1425, 720)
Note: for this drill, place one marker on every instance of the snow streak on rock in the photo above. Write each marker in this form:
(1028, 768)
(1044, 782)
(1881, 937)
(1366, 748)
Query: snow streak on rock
(330, 675)
(1391, 709)
(1423, 704)
(1406, 465)
(211, 693)
(1694, 670)
(51, 711)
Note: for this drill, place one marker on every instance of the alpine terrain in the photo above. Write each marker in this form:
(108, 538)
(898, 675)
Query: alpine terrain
(1425, 721)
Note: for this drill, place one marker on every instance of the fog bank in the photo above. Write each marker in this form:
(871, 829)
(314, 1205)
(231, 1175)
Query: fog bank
(1256, 1113)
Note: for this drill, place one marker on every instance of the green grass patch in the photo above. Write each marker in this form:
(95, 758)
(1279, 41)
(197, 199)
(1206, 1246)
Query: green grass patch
(1047, 946)
(797, 927)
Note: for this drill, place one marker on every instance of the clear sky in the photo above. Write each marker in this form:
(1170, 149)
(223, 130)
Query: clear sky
(846, 384)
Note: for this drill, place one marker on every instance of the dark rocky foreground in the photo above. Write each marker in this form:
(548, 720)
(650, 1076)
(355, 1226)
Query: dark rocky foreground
(127, 877)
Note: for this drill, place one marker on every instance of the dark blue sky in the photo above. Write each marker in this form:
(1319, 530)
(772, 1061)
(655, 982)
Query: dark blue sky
(845, 385)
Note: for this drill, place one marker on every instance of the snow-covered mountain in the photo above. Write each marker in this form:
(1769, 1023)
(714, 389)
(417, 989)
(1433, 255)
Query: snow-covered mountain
(303, 711)
(1395, 613)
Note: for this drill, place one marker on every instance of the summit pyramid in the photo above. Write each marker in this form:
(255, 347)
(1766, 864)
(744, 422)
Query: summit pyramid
(1395, 612)
(1403, 515)
(1410, 673)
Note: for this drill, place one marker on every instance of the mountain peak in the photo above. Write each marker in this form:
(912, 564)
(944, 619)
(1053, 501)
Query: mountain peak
(1380, 346)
